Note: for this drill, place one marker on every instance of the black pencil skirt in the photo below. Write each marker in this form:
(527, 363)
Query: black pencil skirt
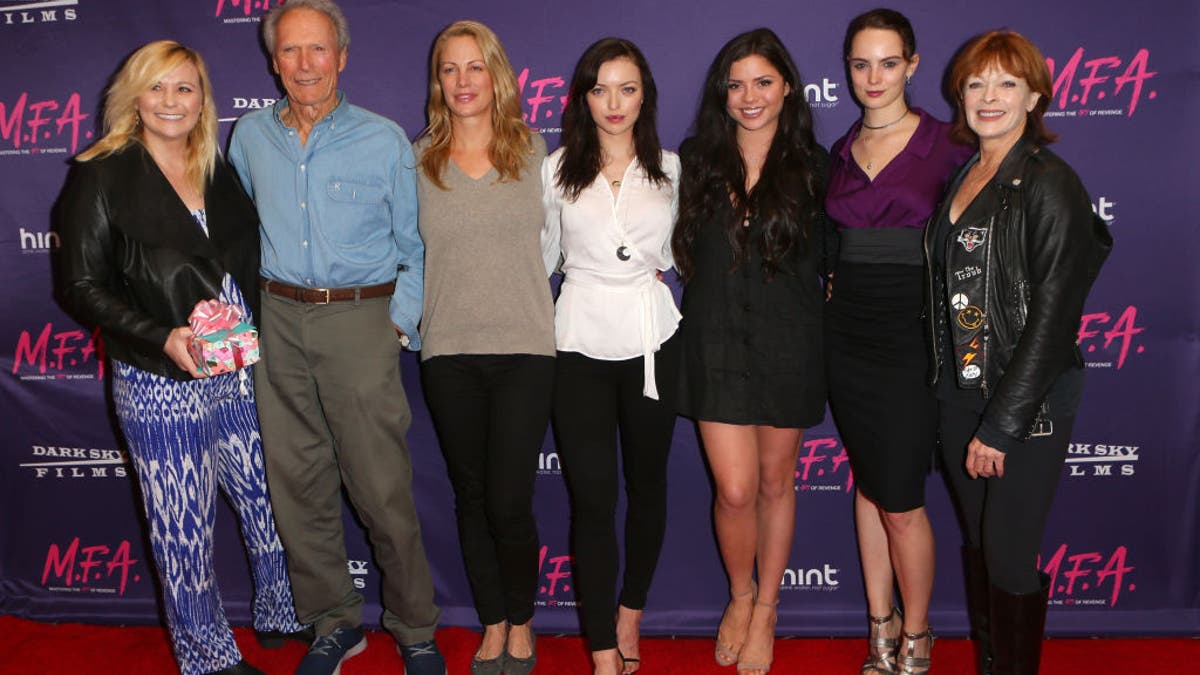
(878, 365)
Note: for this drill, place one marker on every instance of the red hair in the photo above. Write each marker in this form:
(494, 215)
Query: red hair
(1014, 54)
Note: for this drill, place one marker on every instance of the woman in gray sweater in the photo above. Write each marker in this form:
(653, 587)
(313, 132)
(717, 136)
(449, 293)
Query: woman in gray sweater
(487, 328)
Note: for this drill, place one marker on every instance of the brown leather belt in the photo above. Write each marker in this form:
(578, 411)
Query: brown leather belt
(324, 296)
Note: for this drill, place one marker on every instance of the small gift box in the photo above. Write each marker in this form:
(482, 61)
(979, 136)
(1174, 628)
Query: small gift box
(222, 342)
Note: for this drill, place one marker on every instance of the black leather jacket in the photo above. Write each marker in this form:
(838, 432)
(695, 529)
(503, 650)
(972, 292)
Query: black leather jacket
(1015, 282)
(135, 262)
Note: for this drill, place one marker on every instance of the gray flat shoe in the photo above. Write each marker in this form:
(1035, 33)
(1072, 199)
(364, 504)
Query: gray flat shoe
(521, 666)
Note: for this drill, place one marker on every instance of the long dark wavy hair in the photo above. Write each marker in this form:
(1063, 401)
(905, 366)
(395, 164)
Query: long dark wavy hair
(787, 197)
(581, 161)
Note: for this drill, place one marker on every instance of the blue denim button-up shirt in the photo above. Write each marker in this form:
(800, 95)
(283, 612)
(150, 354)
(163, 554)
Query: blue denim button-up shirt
(340, 210)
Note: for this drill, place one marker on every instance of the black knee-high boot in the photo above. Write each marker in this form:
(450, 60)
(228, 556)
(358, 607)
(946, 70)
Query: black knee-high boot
(978, 589)
(1017, 624)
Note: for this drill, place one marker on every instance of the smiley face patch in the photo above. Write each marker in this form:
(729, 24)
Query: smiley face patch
(970, 317)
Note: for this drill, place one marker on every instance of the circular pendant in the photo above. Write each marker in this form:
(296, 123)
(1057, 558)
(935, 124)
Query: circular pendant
(623, 252)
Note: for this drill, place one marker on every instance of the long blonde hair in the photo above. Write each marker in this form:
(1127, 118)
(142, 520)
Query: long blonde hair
(123, 126)
(512, 140)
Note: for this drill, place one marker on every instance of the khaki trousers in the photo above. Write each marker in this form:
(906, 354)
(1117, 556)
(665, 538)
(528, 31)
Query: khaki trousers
(334, 413)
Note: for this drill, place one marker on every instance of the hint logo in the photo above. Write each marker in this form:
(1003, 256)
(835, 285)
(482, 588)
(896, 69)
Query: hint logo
(37, 242)
(359, 570)
(42, 11)
(816, 579)
(821, 95)
(1100, 459)
(1103, 208)
(548, 464)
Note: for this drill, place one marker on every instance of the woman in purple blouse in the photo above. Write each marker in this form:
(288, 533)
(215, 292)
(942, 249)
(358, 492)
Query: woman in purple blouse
(886, 177)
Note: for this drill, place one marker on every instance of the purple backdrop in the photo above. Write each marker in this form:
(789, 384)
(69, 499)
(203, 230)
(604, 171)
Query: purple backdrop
(1122, 543)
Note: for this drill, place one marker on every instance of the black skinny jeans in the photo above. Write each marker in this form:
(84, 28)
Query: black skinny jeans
(491, 413)
(593, 401)
(1005, 517)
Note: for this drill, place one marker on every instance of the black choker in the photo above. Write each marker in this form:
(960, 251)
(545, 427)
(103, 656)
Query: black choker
(884, 126)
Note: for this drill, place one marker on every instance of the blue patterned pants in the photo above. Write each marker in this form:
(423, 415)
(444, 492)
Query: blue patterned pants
(185, 438)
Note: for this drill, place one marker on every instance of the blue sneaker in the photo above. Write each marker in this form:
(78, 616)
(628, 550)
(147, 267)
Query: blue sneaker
(422, 658)
(327, 653)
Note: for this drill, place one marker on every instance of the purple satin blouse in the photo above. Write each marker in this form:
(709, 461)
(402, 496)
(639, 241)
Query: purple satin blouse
(906, 191)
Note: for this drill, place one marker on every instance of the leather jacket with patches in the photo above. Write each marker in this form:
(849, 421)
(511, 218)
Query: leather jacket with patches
(1016, 275)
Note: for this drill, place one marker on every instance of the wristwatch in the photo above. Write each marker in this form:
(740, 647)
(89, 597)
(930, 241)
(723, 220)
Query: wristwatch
(404, 340)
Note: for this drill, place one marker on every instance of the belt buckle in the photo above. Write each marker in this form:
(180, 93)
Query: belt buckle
(326, 302)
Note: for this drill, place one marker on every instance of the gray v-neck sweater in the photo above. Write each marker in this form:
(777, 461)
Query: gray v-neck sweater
(486, 290)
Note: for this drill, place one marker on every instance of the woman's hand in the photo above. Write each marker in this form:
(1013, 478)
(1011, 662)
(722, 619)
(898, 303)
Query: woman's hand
(984, 460)
(176, 347)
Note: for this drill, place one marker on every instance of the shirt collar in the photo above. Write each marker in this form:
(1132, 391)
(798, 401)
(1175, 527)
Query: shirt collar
(921, 143)
(282, 104)
(924, 137)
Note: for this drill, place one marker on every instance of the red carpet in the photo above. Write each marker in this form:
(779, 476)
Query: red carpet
(31, 648)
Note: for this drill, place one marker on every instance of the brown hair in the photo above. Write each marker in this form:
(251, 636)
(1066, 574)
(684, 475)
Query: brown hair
(1017, 56)
(883, 19)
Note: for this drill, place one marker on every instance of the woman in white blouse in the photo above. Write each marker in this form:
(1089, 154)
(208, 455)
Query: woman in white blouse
(610, 195)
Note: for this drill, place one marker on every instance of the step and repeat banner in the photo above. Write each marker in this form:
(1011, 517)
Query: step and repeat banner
(1123, 542)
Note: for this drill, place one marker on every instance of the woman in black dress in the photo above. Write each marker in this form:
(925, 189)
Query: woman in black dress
(753, 377)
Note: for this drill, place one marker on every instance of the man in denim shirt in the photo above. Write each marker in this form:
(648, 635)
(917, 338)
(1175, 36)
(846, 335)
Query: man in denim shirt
(342, 267)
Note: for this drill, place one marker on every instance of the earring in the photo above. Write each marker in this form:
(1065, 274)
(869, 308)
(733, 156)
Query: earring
(907, 80)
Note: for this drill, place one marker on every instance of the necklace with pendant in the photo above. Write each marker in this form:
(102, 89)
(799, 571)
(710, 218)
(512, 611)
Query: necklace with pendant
(871, 163)
(623, 251)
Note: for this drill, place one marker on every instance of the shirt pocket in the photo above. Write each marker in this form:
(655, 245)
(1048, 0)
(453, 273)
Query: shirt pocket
(352, 192)
(357, 215)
